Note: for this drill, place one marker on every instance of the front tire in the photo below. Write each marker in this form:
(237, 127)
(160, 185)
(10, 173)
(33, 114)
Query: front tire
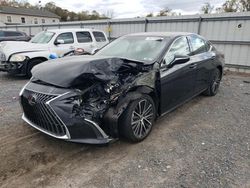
(214, 85)
(31, 64)
(137, 121)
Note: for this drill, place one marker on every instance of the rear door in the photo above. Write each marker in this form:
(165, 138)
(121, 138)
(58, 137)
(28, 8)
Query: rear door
(203, 56)
(85, 41)
(177, 83)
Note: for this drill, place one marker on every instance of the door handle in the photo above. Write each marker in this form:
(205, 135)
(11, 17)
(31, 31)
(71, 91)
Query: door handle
(193, 66)
(71, 47)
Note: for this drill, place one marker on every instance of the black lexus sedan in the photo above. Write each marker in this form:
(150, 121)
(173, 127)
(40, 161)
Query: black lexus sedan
(122, 89)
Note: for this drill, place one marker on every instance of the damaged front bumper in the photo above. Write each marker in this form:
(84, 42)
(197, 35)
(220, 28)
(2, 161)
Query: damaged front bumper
(49, 113)
(104, 139)
(17, 68)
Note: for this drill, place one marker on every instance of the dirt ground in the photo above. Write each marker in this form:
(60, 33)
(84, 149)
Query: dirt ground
(204, 143)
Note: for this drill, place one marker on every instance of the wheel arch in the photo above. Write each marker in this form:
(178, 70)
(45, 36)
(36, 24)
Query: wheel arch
(30, 61)
(40, 58)
(220, 69)
(148, 91)
(112, 116)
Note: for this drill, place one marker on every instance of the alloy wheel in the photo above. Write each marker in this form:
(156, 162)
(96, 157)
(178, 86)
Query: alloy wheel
(142, 118)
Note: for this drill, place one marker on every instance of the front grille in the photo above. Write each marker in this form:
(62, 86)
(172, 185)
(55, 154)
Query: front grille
(40, 114)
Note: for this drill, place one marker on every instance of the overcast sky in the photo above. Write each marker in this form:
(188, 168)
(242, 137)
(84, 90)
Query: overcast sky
(132, 8)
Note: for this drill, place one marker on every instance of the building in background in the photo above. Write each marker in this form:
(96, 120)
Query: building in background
(2, 24)
(16, 16)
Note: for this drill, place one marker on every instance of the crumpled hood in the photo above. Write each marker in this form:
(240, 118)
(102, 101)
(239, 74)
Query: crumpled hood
(70, 71)
(10, 47)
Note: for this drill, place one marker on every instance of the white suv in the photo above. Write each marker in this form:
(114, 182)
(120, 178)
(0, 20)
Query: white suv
(20, 57)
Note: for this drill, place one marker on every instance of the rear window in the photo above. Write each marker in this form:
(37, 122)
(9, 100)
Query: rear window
(99, 36)
(83, 37)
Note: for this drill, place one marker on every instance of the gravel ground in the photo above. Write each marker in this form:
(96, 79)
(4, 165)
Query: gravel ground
(204, 143)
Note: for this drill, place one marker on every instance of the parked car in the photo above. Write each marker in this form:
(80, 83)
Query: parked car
(122, 89)
(20, 57)
(13, 36)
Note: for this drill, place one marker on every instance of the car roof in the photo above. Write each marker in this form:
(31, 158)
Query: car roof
(71, 30)
(162, 34)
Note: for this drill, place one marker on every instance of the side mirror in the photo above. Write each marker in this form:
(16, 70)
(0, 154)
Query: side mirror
(59, 41)
(178, 59)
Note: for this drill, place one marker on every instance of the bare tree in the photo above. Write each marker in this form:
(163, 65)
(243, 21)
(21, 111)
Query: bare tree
(109, 13)
(150, 15)
(245, 5)
(231, 6)
(165, 12)
(207, 8)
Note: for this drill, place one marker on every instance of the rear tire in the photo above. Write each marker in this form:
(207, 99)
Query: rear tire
(214, 85)
(137, 121)
(31, 64)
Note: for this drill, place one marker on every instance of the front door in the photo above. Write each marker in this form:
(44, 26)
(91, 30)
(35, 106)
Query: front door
(178, 82)
(67, 45)
(85, 41)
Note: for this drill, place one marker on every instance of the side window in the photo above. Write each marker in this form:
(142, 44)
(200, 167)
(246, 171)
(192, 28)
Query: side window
(179, 47)
(18, 34)
(99, 36)
(66, 37)
(12, 34)
(83, 37)
(1, 34)
(198, 45)
(209, 46)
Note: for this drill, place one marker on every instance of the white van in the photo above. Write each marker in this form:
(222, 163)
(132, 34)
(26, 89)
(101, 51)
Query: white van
(20, 57)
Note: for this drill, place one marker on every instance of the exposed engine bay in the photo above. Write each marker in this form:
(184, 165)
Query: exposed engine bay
(100, 86)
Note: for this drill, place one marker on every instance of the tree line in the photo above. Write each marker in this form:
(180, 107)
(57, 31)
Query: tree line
(208, 8)
(64, 14)
(228, 6)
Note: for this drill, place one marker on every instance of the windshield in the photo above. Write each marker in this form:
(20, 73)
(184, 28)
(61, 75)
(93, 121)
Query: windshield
(140, 48)
(43, 37)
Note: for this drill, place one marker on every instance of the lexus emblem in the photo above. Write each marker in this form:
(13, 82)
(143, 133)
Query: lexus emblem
(32, 99)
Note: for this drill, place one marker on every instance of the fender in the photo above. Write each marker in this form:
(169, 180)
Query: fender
(33, 54)
(111, 117)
